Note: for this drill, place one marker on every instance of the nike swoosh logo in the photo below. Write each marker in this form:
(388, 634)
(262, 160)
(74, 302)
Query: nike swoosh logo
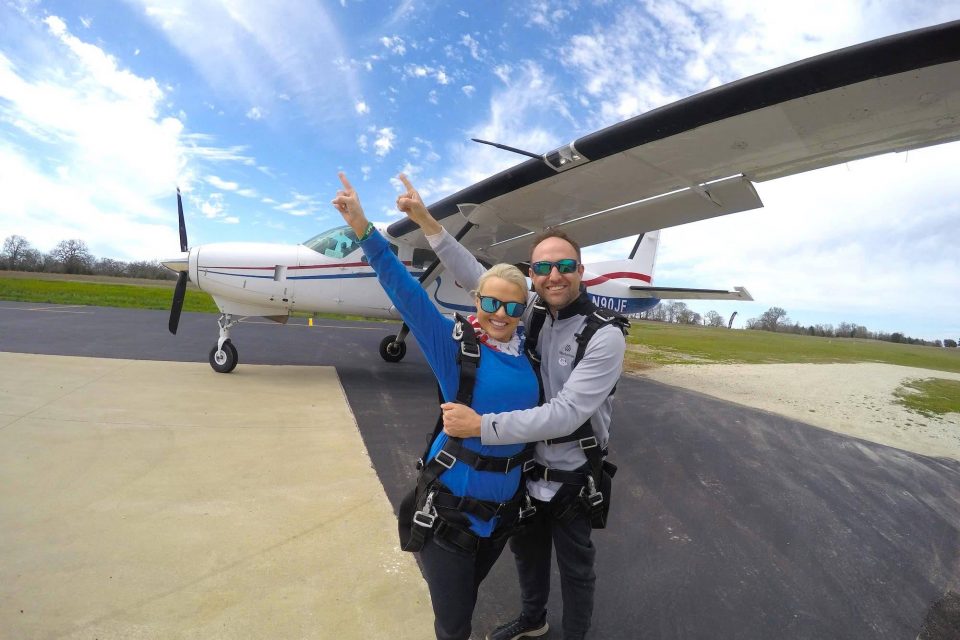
(495, 428)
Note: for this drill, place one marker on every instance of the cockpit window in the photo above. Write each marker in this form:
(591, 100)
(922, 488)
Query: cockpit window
(335, 243)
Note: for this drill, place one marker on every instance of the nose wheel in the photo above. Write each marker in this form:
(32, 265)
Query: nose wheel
(224, 359)
(223, 356)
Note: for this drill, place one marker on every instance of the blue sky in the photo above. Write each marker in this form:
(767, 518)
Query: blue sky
(252, 107)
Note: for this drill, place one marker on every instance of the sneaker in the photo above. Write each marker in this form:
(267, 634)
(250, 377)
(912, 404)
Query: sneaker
(520, 628)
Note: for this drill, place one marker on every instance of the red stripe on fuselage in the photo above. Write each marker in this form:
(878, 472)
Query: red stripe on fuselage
(617, 275)
(306, 266)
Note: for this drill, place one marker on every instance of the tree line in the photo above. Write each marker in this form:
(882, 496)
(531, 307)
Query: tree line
(74, 257)
(776, 319)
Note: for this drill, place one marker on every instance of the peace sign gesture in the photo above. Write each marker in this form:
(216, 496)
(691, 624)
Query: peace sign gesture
(347, 203)
(411, 204)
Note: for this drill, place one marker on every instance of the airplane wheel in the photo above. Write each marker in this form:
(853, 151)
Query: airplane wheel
(225, 360)
(391, 350)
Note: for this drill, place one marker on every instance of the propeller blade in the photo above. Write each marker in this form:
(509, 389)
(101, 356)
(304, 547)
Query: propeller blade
(183, 227)
(177, 306)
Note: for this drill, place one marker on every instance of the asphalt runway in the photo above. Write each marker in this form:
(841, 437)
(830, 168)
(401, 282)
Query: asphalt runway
(727, 522)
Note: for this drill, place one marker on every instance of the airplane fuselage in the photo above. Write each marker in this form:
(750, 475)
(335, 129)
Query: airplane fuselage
(276, 279)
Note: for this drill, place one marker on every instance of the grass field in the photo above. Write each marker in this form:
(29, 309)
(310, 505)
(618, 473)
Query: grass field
(649, 343)
(652, 343)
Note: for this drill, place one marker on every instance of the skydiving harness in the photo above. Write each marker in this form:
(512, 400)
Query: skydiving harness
(431, 507)
(594, 480)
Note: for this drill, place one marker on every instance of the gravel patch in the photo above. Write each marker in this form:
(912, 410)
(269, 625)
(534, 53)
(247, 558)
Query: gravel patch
(853, 399)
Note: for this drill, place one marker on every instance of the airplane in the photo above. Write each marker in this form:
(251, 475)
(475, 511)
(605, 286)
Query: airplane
(691, 160)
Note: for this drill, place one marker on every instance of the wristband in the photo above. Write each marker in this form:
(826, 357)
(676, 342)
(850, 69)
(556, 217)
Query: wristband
(366, 232)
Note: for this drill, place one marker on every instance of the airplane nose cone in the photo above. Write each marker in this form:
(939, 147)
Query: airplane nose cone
(180, 263)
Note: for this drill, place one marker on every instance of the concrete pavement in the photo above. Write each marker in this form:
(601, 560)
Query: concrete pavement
(157, 500)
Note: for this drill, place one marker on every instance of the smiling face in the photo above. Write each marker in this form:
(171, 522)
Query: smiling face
(498, 324)
(556, 289)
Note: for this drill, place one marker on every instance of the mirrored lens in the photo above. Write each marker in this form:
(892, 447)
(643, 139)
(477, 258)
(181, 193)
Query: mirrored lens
(544, 267)
(491, 304)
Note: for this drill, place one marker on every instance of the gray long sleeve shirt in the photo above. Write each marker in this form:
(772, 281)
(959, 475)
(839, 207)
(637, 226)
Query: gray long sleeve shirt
(573, 394)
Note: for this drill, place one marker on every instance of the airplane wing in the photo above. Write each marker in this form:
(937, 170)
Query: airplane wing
(681, 293)
(698, 158)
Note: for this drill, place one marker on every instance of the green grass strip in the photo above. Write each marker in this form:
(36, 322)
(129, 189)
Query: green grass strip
(930, 396)
(102, 295)
(664, 343)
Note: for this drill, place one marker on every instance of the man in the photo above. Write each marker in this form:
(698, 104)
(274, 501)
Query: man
(573, 395)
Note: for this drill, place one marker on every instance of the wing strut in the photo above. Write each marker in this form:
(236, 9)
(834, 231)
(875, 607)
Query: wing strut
(392, 350)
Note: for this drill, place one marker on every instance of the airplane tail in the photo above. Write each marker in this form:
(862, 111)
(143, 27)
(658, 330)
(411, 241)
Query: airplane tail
(644, 254)
(637, 268)
(626, 286)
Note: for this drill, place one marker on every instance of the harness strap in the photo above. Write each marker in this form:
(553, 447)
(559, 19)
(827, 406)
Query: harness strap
(575, 478)
(483, 509)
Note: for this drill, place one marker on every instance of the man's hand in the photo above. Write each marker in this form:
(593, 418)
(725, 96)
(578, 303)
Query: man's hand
(347, 203)
(411, 204)
(459, 420)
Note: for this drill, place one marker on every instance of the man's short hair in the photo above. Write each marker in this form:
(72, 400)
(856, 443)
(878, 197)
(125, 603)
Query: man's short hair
(550, 232)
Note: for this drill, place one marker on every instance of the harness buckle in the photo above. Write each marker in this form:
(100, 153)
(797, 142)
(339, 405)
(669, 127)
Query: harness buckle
(593, 497)
(588, 443)
(529, 465)
(426, 516)
(419, 464)
(527, 509)
(457, 331)
(443, 461)
(466, 352)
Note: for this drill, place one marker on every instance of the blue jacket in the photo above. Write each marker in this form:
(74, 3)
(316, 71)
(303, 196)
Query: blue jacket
(503, 382)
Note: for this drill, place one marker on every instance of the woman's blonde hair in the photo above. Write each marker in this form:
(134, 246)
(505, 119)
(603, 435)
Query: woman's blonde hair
(507, 272)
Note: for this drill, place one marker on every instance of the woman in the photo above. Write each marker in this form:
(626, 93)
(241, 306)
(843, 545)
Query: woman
(462, 538)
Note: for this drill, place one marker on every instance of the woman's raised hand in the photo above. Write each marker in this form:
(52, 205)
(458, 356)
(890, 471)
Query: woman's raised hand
(347, 203)
(411, 204)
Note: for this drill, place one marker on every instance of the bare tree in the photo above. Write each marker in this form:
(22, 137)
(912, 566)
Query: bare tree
(110, 267)
(773, 318)
(73, 256)
(713, 319)
(14, 253)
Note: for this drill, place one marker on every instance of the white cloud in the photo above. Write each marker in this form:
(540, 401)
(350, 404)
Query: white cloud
(221, 184)
(394, 44)
(468, 90)
(255, 113)
(254, 52)
(361, 107)
(362, 142)
(384, 142)
(472, 45)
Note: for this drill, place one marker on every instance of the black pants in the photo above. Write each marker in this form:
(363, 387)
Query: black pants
(453, 576)
(575, 557)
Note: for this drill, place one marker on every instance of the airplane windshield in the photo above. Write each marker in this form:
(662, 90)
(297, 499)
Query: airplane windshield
(335, 243)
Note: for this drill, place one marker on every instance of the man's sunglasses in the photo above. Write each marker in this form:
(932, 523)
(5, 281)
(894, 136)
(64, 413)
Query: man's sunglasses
(544, 267)
(491, 304)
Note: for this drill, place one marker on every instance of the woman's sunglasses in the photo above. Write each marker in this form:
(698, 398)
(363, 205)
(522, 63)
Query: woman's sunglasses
(491, 304)
(544, 267)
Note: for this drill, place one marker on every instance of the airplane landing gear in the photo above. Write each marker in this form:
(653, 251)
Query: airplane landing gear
(393, 348)
(223, 357)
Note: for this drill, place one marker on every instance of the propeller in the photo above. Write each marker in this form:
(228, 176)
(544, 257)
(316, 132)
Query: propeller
(180, 291)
